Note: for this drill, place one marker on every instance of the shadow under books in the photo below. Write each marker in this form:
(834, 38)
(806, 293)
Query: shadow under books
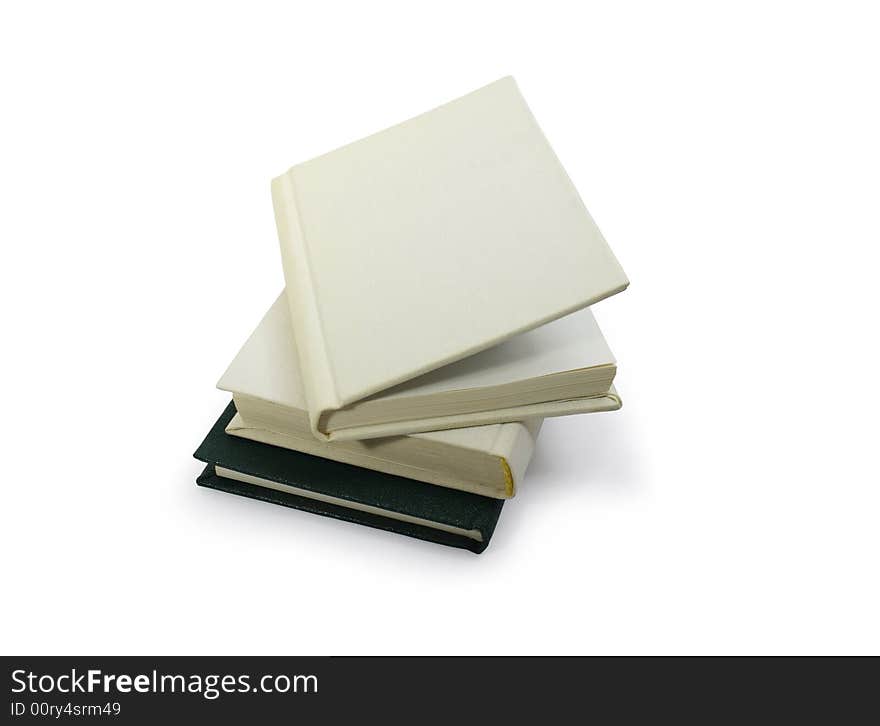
(598, 453)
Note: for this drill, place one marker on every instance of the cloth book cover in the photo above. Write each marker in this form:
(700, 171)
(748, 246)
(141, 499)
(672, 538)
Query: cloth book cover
(427, 243)
(334, 489)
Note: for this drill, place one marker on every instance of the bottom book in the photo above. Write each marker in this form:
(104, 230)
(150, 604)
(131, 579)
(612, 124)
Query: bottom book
(334, 489)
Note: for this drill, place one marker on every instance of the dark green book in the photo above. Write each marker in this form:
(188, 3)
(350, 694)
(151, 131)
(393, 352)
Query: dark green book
(333, 489)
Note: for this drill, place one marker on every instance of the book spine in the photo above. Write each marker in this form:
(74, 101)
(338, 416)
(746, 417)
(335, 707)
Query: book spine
(514, 446)
(320, 389)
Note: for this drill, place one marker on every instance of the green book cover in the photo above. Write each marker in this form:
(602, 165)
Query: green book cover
(333, 489)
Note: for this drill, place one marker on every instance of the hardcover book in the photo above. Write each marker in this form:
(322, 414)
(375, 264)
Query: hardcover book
(425, 244)
(264, 381)
(334, 489)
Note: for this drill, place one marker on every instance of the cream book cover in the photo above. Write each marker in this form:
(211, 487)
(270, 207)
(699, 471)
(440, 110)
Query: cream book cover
(431, 241)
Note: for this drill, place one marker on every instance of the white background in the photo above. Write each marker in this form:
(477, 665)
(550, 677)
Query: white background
(729, 154)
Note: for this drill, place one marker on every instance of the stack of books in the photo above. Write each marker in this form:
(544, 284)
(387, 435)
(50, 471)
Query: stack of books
(436, 309)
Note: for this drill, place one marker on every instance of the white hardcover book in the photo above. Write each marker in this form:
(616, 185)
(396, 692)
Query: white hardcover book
(264, 380)
(425, 244)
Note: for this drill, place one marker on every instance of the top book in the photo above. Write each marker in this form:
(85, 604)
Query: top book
(431, 241)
